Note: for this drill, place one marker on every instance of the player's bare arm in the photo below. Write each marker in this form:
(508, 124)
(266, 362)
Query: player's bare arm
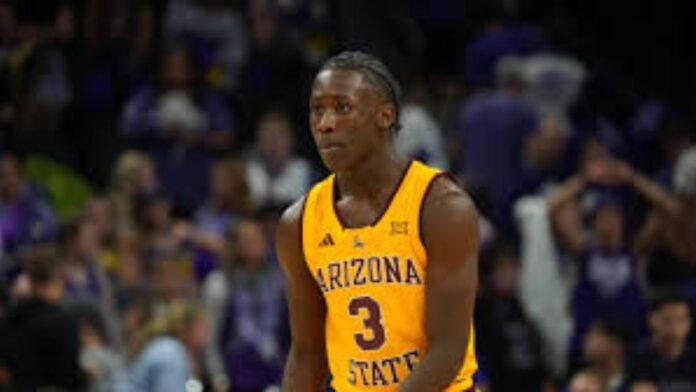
(306, 369)
(450, 235)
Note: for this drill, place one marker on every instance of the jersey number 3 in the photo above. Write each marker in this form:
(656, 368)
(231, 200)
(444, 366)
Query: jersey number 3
(373, 322)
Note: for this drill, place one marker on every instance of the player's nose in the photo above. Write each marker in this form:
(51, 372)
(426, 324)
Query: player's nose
(327, 122)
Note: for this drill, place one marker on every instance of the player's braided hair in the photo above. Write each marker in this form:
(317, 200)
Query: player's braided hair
(374, 71)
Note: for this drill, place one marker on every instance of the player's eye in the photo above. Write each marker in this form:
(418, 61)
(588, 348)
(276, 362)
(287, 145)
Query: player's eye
(317, 110)
(343, 107)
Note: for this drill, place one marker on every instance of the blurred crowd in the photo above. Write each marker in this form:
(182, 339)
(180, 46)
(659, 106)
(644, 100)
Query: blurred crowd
(148, 147)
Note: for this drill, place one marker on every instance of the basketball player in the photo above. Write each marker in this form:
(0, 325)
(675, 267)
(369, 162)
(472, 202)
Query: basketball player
(380, 257)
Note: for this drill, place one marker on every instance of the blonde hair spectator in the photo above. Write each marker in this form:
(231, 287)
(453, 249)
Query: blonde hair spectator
(133, 172)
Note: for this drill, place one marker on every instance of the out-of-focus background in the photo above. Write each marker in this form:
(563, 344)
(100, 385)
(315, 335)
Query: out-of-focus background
(147, 148)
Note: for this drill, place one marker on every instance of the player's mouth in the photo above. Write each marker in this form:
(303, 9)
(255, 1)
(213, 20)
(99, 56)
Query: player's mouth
(331, 147)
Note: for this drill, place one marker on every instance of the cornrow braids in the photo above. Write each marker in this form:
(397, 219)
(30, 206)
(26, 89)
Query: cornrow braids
(374, 71)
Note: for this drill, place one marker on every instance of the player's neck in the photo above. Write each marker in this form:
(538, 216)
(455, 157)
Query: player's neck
(370, 178)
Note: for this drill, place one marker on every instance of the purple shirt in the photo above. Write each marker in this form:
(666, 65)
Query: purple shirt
(183, 169)
(486, 49)
(28, 220)
(607, 287)
(492, 128)
(211, 222)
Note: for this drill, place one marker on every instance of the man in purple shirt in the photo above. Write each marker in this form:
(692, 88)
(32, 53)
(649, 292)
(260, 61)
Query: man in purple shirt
(492, 129)
(25, 215)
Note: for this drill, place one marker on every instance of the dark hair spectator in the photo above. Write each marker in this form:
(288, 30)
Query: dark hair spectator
(230, 200)
(245, 301)
(511, 346)
(605, 349)
(39, 340)
(666, 360)
(276, 175)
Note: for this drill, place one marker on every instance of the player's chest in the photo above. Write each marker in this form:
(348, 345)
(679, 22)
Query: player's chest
(348, 260)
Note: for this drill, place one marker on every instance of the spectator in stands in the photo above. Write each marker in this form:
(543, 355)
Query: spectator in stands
(99, 212)
(113, 253)
(420, 136)
(673, 139)
(39, 340)
(102, 364)
(643, 386)
(26, 217)
(666, 360)
(229, 201)
(86, 283)
(496, 124)
(669, 232)
(215, 32)
(164, 352)
(545, 155)
(605, 349)
(168, 278)
(133, 174)
(586, 381)
(276, 175)
(158, 232)
(606, 278)
(181, 124)
(497, 39)
(245, 301)
(510, 346)
(554, 83)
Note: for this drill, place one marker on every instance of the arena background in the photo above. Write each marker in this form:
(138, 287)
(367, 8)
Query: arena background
(147, 148)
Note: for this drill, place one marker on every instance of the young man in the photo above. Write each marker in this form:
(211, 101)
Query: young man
(667, 361)
(380, 257)
(604, 351)
(39, 341)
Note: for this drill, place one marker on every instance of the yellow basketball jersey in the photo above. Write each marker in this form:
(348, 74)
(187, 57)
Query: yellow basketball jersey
(373, 282)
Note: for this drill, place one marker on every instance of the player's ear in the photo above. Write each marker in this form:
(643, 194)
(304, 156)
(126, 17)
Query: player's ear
(386, 117)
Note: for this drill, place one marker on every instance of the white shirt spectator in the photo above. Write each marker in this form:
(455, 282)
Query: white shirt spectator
(421, 137)
(281, 188)
(553, 83)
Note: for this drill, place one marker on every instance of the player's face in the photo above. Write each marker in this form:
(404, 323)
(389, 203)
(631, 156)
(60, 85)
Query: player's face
(346, 118)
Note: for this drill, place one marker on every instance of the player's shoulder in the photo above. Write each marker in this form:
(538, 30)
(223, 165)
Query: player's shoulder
(292, 215)
(445, 193)
(447, 206)
(289, 237)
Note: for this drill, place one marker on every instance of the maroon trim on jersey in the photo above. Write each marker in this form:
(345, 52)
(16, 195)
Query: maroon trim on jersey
(443, 174)
(337, 213)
